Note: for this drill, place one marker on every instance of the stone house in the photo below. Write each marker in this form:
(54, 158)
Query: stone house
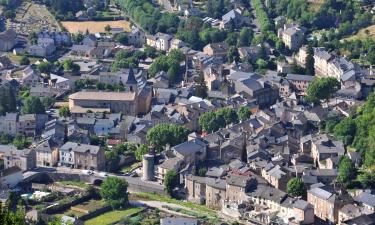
(236, 187)
(323, 147)
(82, 156)
(216, 49)
(276, 176)
(24, 159)
(191, 151)
(326, 203)
(136, 37)
(299, 82)
(47, 154)
(195, 189)
(215, 192)
(292, 36)
(169, 164)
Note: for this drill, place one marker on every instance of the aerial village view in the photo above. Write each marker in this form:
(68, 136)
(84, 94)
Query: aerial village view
(187, 112)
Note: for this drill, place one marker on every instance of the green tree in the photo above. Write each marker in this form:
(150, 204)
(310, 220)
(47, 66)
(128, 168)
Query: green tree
(141, 150)
(233, 54)
(33, 105)
(201, 87)
(45, 67)
(310, 61)
(171, 181)
(122, 38)
(346, 171)
(114, 191)
(20, 141)
(345, 130)
(243, 113)
(296, 187)
(211, 122)
(24, 60)
(5, 138)
(245, 37)
(69, 65)
(7, 100)
(229, 115)
(163, 134)
(107, 28)
(64, 111)
(322, 89)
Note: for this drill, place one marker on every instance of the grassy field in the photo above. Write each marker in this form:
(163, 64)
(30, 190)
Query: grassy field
(16, 58)
(156, 197)
(315, 7)
(94, 26)
(78, 184)
(368, 32)
(113, 216)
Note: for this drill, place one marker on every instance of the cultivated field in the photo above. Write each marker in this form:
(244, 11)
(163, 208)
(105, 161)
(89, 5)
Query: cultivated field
(94, 26)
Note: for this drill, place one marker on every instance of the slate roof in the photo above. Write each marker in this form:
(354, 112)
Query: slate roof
(366, 198)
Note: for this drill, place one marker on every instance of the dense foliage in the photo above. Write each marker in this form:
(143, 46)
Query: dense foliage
(148, 17)
(163, 134)
(213, 121)
(171, 181)
(64, 9)
(33, 105)
(168, 63)
(322, 89)
(114, 190)
(346, 172)
(113, 156)
(7, 100)
(296, 187)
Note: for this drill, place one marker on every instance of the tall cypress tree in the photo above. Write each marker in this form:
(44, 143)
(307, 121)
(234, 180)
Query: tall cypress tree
(310, 61)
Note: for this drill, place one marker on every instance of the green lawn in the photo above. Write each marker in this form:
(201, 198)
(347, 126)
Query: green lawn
(113, 216)
(156, 197)
(78, 184)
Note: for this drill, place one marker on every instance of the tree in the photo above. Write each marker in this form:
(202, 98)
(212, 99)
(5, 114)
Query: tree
(24, 60)
(346, 171)
(141, 150)
(201, 87)
(245, 37)
(122, 38)
(296, 187)
(33, 105)
(20, 141)
(322, 89)
(171, 181)
(114, 191)
(345, 130)
(163, 134)
(211, 122)
(45, 67)
(243, 113)
(310, 61)
(5, 138)
(7, 100)
(228, 114)
(107, 28)
(232, 54)
(69, 65)
(64, 111)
